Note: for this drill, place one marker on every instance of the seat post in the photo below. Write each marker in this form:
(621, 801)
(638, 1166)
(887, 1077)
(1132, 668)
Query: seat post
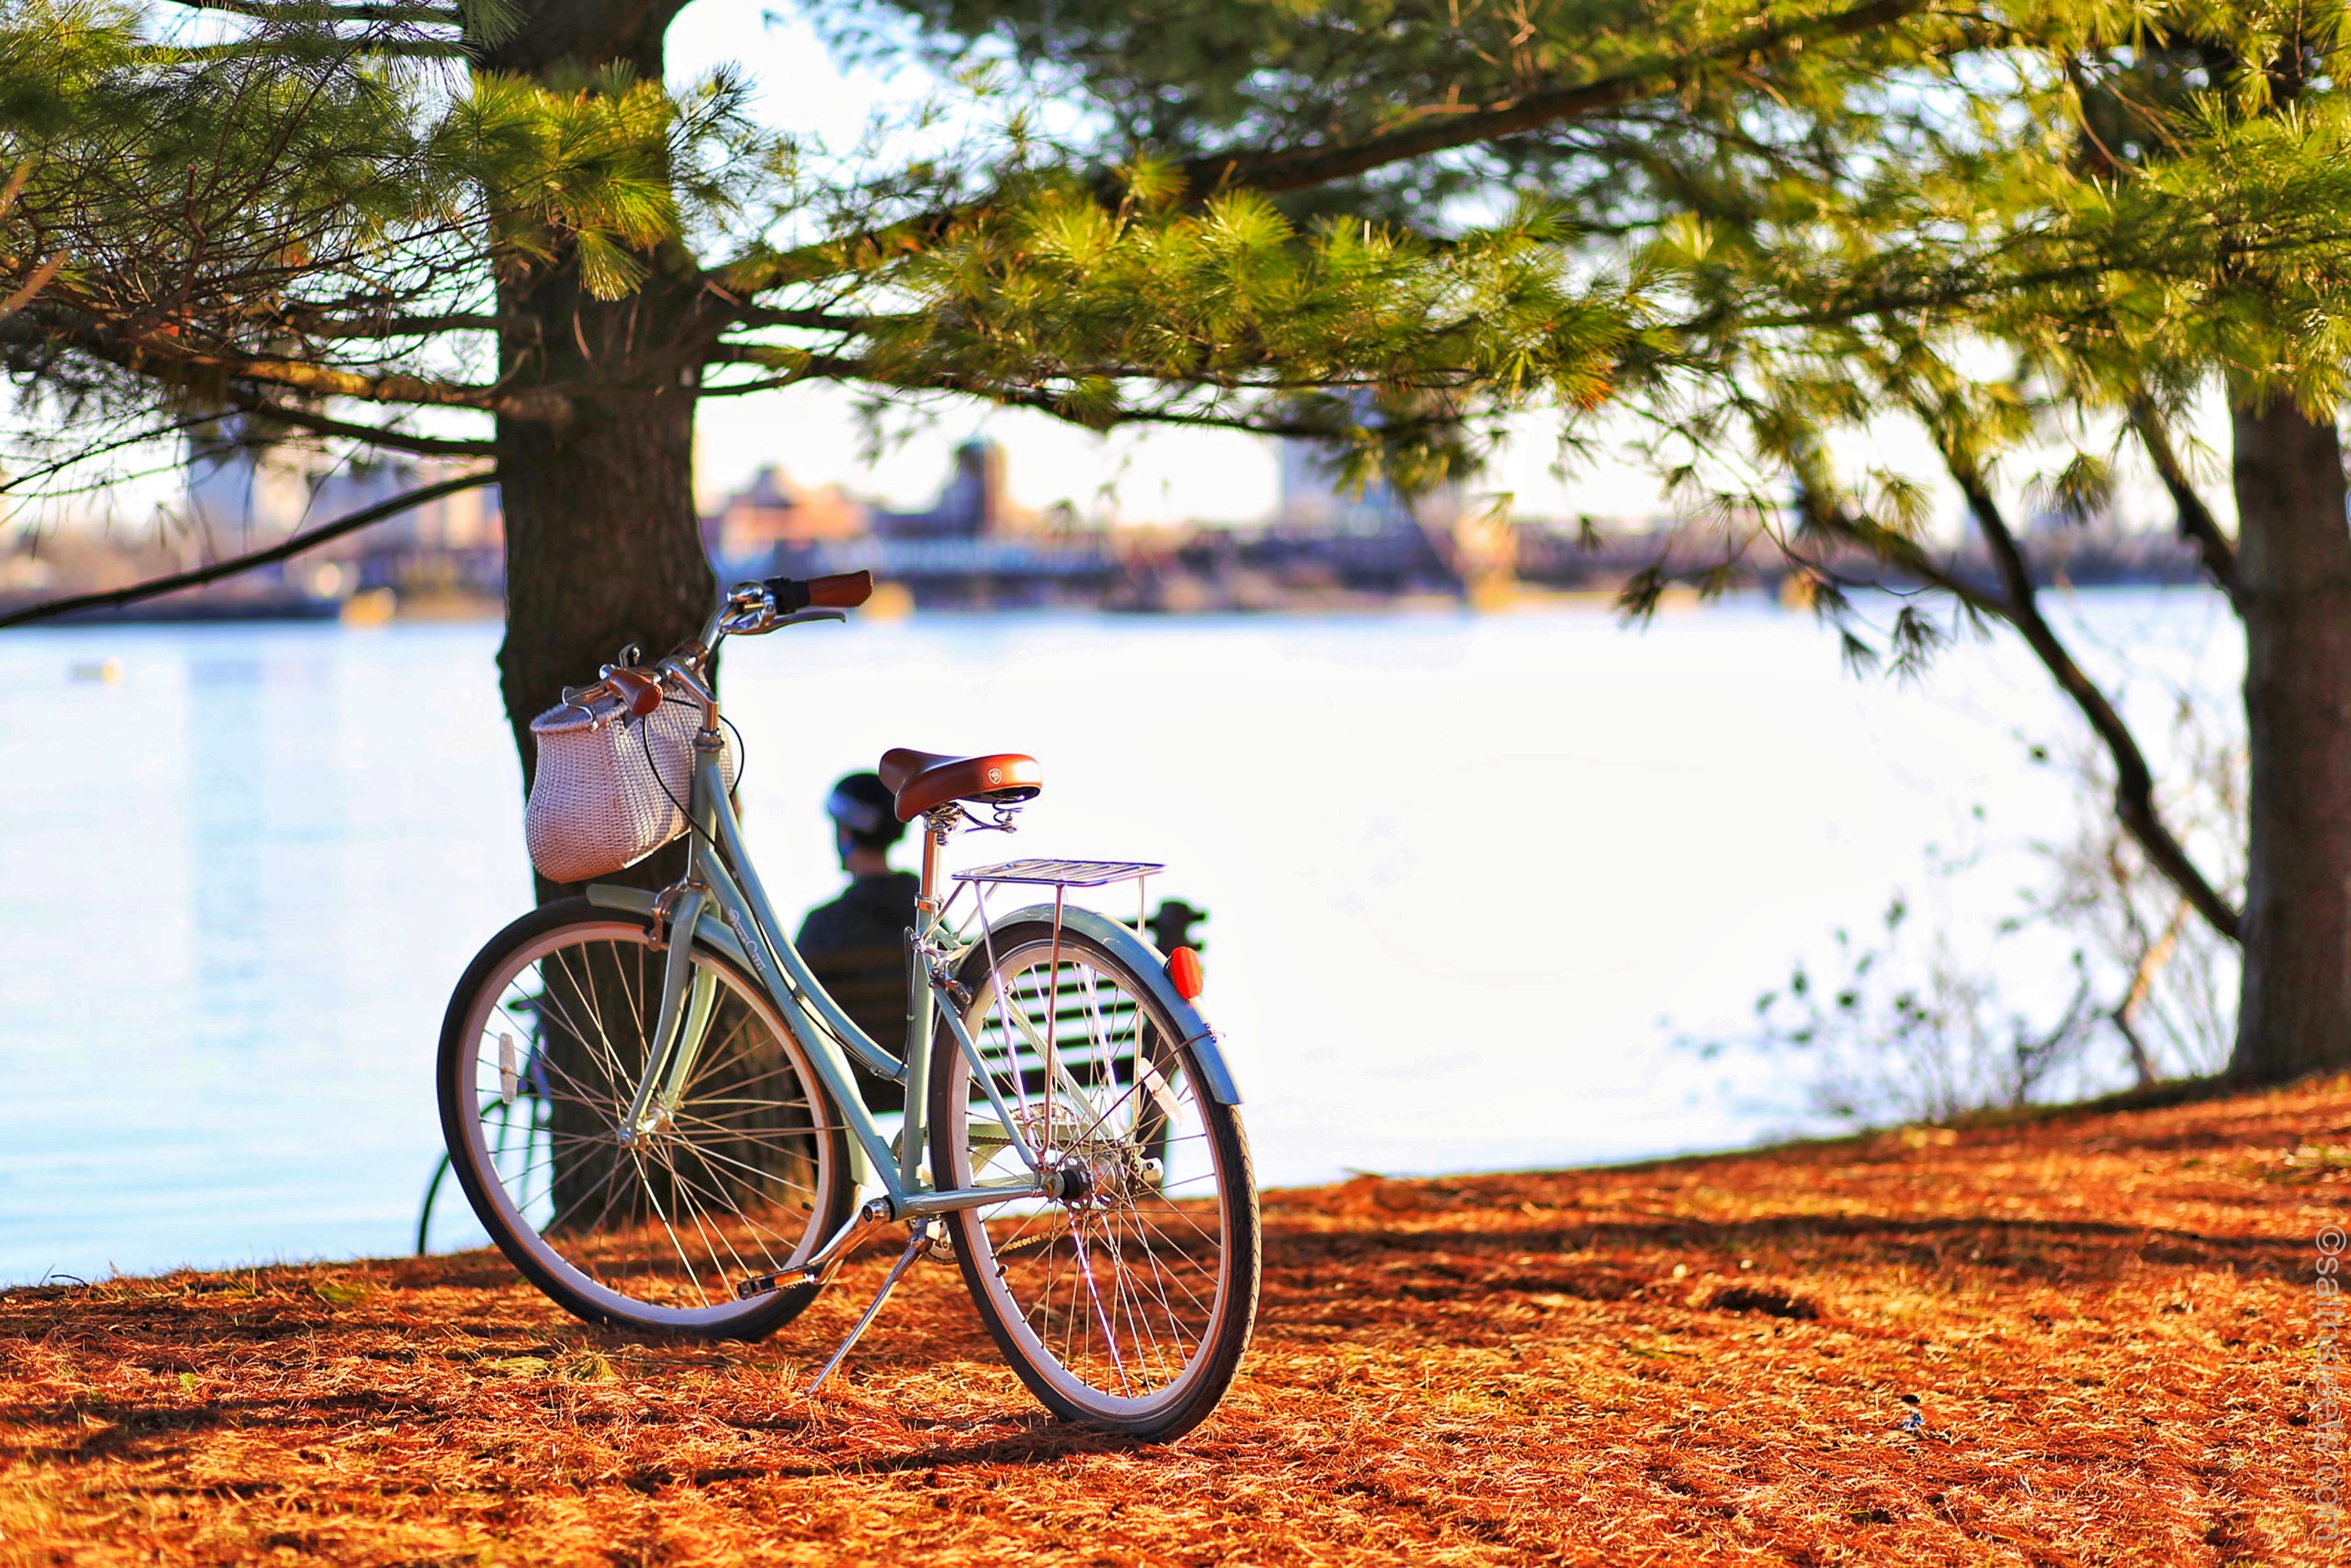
(937, 822)
(937, 825)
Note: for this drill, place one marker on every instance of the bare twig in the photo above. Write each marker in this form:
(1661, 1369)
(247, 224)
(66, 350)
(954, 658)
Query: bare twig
(2142, 983)
(34, 281)
(292, 545)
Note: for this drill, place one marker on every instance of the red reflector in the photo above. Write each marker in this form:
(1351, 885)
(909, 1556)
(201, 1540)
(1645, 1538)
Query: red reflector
(1184, 971)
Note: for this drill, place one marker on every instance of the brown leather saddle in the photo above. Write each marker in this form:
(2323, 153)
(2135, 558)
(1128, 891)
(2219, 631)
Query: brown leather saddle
(923, 779)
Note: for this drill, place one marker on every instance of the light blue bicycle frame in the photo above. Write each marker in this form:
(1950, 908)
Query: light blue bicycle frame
(722, 905)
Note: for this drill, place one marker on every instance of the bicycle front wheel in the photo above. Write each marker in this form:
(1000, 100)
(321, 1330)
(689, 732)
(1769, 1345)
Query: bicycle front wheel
(741, 1167)
(1126, 1300)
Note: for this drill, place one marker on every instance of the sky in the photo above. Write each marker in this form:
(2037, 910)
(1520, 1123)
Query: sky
(1135, 476)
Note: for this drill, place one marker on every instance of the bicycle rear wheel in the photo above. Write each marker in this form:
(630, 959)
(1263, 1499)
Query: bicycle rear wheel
(746, 1173)
(1124, 1301)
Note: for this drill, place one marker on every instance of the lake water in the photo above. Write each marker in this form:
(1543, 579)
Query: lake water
(1468, 877)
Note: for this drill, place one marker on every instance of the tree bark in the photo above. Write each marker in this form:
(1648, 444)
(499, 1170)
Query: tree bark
(604, 546)
(2293, 591)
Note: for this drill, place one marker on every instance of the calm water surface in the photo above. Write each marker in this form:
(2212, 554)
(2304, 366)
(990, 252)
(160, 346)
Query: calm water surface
(1460, 871)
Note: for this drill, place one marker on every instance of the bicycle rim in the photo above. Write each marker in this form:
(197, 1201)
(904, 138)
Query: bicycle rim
(741, 1175)
(1125, 1302)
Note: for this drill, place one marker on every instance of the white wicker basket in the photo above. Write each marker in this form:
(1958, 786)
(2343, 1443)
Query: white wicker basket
(595, 804)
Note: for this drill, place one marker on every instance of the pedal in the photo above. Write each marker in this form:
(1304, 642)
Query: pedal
(762, 1284)
(818, 1268)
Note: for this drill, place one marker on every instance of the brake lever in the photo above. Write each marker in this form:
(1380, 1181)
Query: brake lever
(757, 621)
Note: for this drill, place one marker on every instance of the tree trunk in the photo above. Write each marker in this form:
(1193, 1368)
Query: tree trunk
(602, 544)
(2293, 575)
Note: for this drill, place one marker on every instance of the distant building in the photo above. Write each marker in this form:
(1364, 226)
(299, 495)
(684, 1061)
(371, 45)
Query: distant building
(771, 513)
(239, 496)
(242, 496)
(973, 545)
(973, 505)
(1314, 501)
(466, 521)
(454, 545)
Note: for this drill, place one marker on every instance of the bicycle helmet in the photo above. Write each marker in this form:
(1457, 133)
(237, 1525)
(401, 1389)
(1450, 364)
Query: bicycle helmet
(865, 811)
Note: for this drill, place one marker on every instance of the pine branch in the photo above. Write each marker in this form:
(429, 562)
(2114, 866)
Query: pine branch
(536, 405)
(151, 353)
(2018, 605)
(1296, 169)
(813, 320)
(2196, 523)
(264, 48)
(2134, 780)
(371, 328)
(827, 367)
(374, 435)
(297, 11)
(291, 546)
(1292, 168)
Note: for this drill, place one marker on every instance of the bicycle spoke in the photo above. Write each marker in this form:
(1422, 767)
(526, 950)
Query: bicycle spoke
(730, 1177)
(1117, 1283)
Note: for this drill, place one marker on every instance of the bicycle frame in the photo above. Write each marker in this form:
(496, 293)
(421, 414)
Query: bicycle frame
(722, 903)
(723, 897)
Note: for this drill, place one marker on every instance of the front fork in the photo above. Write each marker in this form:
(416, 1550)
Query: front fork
(669, 1064)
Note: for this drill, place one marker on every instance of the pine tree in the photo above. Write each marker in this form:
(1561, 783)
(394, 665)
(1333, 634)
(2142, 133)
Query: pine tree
(492, 230)
(2118, 206)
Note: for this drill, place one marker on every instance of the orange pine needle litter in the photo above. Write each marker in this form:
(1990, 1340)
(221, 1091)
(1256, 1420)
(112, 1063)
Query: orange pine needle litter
(2105, 1321)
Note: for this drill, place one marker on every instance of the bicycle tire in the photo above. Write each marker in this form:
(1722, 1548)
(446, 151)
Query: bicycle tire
(591, 1266)
(1121, 1205)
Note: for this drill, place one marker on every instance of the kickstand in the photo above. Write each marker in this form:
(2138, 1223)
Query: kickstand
(915, 1247)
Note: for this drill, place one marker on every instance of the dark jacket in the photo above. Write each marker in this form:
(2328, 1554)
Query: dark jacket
(870, 916)
(856, 947)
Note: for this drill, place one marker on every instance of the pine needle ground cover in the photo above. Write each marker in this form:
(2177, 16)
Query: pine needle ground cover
(2088, 1338)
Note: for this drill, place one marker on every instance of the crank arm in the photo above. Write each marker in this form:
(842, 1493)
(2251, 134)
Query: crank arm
(825, 1260)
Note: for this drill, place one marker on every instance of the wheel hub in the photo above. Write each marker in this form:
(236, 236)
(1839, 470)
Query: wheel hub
(1110, 1175)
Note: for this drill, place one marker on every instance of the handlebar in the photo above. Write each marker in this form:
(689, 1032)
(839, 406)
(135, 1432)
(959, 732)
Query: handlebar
(843, 590)
(748, 609)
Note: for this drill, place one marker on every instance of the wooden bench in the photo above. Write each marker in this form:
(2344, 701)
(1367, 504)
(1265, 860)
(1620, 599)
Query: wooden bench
(870, 986)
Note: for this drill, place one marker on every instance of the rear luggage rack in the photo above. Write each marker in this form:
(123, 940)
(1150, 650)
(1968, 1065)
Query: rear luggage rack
(1061, 876)
(1062, 873)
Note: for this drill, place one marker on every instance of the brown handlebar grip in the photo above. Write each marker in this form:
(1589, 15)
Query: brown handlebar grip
(642, 693)
(844, 591)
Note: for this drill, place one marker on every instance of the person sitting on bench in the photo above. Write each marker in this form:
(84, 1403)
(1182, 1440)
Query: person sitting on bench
(856, 945)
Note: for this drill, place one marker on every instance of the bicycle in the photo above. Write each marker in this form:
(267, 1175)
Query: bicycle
(648, 1101)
